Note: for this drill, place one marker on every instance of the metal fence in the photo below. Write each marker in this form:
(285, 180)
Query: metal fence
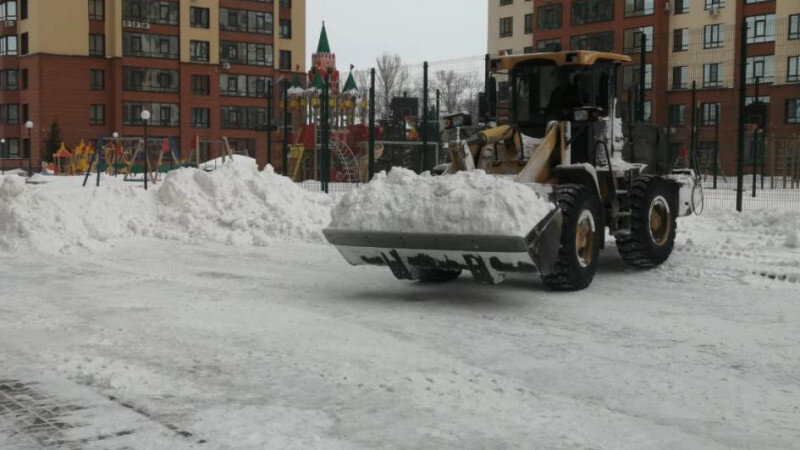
(730, 102)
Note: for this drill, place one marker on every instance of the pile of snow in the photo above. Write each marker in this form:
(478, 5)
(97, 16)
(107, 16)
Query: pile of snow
(235, 205)
(467, 202)
(784, 225)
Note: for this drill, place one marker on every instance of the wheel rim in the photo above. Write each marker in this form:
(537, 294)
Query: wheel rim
(584, 238)
(660, 223)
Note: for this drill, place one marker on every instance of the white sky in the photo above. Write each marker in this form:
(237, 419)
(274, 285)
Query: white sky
(419, 30)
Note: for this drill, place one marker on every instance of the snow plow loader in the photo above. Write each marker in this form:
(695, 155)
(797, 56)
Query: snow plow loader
(562, 137)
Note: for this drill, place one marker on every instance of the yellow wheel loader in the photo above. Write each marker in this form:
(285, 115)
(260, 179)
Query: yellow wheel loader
(564, 140)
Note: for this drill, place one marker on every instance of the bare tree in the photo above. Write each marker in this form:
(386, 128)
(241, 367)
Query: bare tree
(391, 75)
(453, 88)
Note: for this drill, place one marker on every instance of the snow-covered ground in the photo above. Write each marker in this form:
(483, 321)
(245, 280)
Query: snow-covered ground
(176, 340)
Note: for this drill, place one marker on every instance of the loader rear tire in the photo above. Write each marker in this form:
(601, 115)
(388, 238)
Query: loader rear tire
(653, 224)
(438, 275)
(581, 238)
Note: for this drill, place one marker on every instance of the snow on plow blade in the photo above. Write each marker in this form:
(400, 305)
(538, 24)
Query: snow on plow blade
(487, 257)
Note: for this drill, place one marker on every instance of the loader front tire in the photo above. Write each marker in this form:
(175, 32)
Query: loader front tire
(438, 275)
(581, 237)
(653, 224)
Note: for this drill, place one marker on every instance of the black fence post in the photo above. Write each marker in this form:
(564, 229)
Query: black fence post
(742, 94)
(716, 152)
(326, 154)
(754, 144)
(285, 143)
(694, 129)
(424, 128)
(371, 124)
(269, 123)
(642, 73)
(438, 129)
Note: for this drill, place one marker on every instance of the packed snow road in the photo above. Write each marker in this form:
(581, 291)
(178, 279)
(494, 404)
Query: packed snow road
(161, 344)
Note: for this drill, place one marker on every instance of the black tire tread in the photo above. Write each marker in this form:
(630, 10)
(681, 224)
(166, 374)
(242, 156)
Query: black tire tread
(564, 278)
(635, 248)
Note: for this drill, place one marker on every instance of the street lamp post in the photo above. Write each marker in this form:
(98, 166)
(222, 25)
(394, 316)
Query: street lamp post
(115, 135)
(145, 118)
(3, 154)
(29, 125)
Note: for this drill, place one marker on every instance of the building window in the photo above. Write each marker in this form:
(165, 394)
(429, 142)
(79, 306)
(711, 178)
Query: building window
(23, 9)
(145, 79)
(201, 84)
(601, 42)
(528, 23)
(793, 110)
(97, 10)
(199, 17)
(592, 11)
(97, 45)
(630, 76)
(286, 60)
(97, 79)
(10, 150)
(285, 3)
(198, 51)
(246, 53)
(8, 10)
(712, 75)
(150, 45)
(8, 45)
(634, 8)
(760, 28)
(506, 2)
(9, 114)
(151, 11)
(254, 86)
(243, 21)
(506, 27)
(24, 79)
(527, 50)
(757, 1)
(9, 80)
(97, 115)
(682, 6)
(549, 45)
(714, 4)
(285, 29)
(201, 118)
(243, 117)
(762, 67)
(162, 114)
(677, 115)
(794, 26)
(793, 72)
(23, 43)
(680, 77)
(632, 40)
(549, 17)
(711, 112)
(713, 36)
(680, 40)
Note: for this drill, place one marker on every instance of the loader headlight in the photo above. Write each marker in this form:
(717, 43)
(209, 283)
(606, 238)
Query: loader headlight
(587, 114)
(457, 120)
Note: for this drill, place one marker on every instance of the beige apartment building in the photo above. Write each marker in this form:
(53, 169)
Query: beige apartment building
(510, 26)
(203, 68)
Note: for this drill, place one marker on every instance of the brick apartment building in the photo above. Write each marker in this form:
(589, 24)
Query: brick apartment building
(687, 41)
(201, 67)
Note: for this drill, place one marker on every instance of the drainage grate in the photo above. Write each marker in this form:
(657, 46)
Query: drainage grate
(26, 415)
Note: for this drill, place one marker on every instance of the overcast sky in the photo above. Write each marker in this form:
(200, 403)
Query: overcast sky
(419, 30)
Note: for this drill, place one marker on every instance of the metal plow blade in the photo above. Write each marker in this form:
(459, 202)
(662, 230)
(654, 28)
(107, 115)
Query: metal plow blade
(489, 258)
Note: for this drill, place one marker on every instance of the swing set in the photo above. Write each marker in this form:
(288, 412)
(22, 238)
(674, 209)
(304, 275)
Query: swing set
(122, 156)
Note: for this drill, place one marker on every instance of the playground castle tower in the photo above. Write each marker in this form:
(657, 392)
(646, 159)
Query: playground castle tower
(323, 62)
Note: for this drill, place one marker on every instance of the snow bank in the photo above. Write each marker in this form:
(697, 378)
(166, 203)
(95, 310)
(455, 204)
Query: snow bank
(782, 224)
(466, 202)
(236, 205)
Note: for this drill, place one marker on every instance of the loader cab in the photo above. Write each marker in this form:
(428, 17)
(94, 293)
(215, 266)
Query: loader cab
(547, 87)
